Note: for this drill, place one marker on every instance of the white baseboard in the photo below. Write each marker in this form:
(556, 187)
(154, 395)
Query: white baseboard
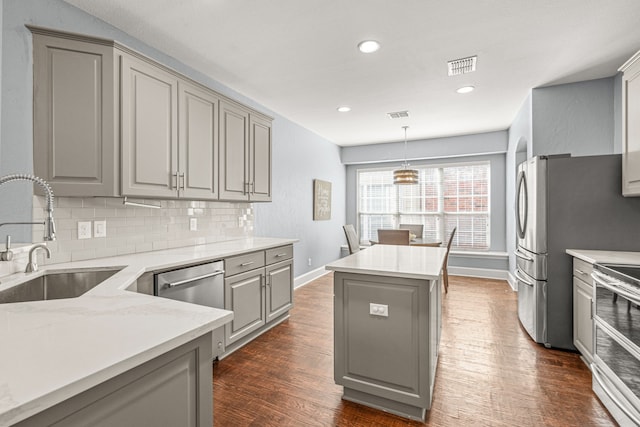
(305, 278)
(512, 281)
(485, 273)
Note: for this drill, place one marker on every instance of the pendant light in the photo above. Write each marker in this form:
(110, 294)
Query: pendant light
(405, 176)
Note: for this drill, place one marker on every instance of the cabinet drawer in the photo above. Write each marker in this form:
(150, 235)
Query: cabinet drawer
(582, 270)
(242, 263)
(279, 254)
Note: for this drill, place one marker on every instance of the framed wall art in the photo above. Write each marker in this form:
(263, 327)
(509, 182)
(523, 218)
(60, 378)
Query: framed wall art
(321, 200)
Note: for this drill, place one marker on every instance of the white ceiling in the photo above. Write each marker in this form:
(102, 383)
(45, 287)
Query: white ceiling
(299, 57)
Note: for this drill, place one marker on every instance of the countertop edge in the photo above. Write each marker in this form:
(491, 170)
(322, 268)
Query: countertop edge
(600, 256)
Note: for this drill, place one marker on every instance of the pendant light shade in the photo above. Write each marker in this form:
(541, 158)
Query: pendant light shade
(405, 175)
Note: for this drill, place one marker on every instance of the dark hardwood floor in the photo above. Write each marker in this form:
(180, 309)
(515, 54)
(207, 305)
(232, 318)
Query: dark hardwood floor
(489, 372)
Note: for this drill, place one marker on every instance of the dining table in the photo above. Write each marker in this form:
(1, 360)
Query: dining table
(418, 241)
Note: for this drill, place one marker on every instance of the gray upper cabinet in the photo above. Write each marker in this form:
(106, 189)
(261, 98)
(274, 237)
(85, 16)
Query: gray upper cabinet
(245, 154)
(631, 126)
(149, 130)
(198, 142)
(75, 115)
(109, 121)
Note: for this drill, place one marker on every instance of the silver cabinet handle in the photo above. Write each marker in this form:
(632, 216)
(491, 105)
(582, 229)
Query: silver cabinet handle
(596, 375)
(580, 272)
(522, 279)
(597, 277)
(244, 264)
(183, 179)
(174, 180)
(522, 256)
(193, 279)
(281, 255)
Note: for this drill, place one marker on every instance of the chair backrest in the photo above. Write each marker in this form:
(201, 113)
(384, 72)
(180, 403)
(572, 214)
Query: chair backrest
(416, 229)
(393, 237)
(453, 232)
(352, 238)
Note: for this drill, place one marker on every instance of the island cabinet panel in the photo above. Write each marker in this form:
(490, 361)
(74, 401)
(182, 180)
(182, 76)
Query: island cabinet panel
(386, 362)
(174, 389)
(583, 329)
(75, 120)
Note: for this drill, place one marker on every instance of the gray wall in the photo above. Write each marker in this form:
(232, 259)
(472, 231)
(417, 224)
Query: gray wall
(298, 159)
(489, 146)
(582, 119)
(574, 118)
(290, 140)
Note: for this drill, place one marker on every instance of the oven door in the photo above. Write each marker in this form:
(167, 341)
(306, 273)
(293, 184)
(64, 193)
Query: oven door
(617, 350)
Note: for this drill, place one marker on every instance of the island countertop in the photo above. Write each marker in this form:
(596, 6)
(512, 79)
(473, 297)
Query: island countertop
(53, 350)
(609, 257)
(411, 262)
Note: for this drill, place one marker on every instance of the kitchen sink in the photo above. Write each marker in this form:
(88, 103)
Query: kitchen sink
(56, 285)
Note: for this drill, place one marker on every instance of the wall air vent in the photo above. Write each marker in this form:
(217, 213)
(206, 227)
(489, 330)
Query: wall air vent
(462, 65)
(398, 114)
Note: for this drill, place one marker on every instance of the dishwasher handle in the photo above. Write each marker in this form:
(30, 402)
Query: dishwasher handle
(193, 279)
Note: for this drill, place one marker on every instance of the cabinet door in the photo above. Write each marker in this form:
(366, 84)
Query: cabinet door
(259, 159)
(244, 294)
(198, 143)
(279, 289)
(582, 318)
(631, 127)
(149, 130)
(74, 116)
(234, 130)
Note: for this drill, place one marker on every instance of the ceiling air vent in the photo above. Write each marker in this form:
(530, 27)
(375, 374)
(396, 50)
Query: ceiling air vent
(462, 65)
(398, 114)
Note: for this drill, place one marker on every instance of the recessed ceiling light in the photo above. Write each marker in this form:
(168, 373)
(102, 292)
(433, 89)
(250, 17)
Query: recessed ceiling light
(368, 46)
(344, 109)
(465, 89)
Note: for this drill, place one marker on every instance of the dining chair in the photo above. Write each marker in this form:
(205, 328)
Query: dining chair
(416, 229)
(445, 273)
(393, 237)
(352, 238)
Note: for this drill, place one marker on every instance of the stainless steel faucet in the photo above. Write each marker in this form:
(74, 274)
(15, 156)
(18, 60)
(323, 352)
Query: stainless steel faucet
(33, 265)
(50, 226)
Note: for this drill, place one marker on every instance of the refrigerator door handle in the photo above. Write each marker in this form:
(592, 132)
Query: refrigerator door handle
(522, 185)
(522, 279)
(523, 256)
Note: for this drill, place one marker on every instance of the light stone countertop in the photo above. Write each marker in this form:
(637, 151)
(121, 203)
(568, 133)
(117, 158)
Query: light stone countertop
(56, 349)
(609, 257)
(412, 262)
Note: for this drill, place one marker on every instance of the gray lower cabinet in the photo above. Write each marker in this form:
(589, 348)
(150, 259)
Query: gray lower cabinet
(387, 362)
(174, 389)
(583, 329)
(259, 291)
(109, 121)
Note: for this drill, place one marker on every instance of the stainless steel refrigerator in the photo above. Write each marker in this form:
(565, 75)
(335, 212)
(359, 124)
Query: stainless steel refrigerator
(565, 202)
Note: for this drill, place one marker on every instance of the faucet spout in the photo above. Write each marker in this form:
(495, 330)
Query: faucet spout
(33, 265)
(50, 226)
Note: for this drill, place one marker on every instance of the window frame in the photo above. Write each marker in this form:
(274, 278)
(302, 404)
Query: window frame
(441, 213)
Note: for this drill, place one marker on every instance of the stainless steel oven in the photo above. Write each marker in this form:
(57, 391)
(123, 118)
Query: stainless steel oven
(616, 366)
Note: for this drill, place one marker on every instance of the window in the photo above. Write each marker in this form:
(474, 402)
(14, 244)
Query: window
(446, 196)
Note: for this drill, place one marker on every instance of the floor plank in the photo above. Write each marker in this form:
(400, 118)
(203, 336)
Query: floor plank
(489, 371)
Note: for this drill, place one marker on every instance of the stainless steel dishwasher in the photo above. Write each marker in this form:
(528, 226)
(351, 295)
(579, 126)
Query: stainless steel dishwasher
(199, 284)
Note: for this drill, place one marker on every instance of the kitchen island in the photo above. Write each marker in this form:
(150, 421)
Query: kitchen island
(59, 356)
(387, 320)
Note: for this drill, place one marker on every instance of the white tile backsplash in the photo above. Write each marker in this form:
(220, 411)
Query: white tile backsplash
(136, 229)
